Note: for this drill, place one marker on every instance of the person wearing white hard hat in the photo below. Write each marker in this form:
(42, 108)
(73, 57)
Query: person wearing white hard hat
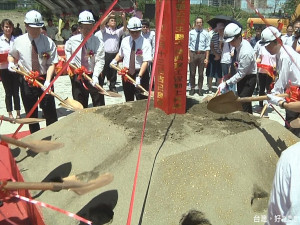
(111, 36)
(36, 53)
(245, 76)
(135, 51)
(90, 58)
(288, 69)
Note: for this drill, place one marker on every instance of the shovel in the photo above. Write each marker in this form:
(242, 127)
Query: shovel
(22, 120)
(69, 183)
(145, 92)
(229, 102)
(35, 146)
(67, 103)
(97, 86)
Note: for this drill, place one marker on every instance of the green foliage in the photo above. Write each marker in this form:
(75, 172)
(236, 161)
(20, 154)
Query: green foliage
(290, 6)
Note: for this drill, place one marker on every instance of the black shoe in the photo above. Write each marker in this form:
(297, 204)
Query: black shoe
(114, 90)
(192, 92)
(200, 93)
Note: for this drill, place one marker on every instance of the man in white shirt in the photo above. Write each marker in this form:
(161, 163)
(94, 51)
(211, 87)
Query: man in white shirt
(51, 30)
(140, 50)
(111, 36)
(90, 57)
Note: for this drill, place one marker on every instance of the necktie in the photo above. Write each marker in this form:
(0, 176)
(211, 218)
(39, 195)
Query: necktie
(197, 41)
(132, 59)
(34, 57)
(84, 61)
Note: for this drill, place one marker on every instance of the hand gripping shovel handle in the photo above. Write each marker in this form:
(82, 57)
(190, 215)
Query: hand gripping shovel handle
(41, 86)
(258, 98)
(100, 89)
(131, 80)
(64, 103)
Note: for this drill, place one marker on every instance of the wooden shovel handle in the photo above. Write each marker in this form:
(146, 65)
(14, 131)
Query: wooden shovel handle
(41, 86)
(54, 186)
(14, 141)
(98, 86)
(258, 98)
(131, 80)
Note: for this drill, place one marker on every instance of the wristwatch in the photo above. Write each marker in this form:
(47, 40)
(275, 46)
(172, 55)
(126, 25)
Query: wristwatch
(281, 105)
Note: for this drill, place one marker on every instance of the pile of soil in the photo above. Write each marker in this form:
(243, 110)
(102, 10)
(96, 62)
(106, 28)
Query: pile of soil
(221, 166)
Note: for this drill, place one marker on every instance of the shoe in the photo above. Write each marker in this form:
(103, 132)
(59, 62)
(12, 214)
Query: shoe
(209, 92)
(114, 90)
(200, 93)
(192, 92)
(18, 117)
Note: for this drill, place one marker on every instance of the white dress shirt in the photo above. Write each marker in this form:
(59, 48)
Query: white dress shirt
(5, 46)
(140, 43)
(284, 202)
(246, 62)
(288, 71)
(94, 46)
(21, 50)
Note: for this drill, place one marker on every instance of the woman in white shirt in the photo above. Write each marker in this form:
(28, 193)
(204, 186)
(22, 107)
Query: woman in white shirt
(10, 80)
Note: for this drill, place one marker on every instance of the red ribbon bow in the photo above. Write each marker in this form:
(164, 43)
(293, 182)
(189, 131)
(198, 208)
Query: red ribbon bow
(123, 72)
(269, 69)
(32, 77)
(294, 94)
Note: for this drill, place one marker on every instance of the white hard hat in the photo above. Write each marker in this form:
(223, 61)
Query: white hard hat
(231, 30)
(268, 35)
(86, 17)
(34, 19)
(134, 24)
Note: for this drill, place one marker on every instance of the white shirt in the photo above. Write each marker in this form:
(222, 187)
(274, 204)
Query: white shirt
(140, 44)
(21, 50)
(226, 53)
(94, 46)
(150, 36)
(111, 38)
(288, 40)
(51, 31)
(5, 46)
(287, 70)
(285, 196)
(246, 62)
(66, 34)
(266, 59)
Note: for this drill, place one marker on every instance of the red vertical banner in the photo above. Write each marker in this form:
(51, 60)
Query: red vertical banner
(172, 58)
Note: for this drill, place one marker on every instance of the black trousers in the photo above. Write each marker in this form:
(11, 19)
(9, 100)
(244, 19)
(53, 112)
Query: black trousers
(245, 88)
(108, 72)
(289, 116)
(81, 94)
(130, 90)
(30, 95)
(264, 82)
(11, 84)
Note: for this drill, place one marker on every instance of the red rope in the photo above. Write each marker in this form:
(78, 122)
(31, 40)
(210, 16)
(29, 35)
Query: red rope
(146, 113)
(67, 63)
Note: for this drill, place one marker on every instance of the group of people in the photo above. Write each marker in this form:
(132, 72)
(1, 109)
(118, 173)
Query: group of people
(35, 52)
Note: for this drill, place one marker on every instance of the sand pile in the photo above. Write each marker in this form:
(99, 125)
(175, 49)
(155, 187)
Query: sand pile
(219, 165)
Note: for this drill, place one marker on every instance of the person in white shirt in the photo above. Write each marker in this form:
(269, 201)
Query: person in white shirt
(51, 29)
(66, 32)
(288, 38)
(111, 36)
(287, 66)
(9, 80)
(245, 76)
(91, 58)
(35, 53)
(140, 50)
(284, 202)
